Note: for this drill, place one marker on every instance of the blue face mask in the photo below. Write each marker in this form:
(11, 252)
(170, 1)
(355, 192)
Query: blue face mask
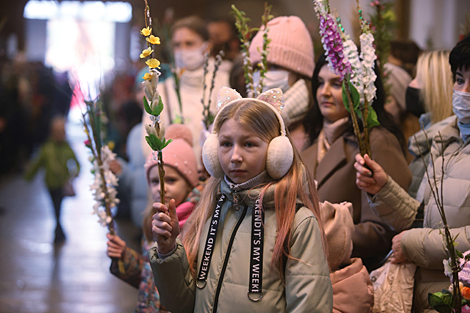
(461, 106)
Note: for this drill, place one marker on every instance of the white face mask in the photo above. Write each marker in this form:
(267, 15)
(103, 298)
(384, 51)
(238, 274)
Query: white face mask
(461, 106)
(190, 59)
(273, 79)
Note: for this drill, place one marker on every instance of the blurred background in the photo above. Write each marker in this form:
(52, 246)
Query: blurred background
(54, 54)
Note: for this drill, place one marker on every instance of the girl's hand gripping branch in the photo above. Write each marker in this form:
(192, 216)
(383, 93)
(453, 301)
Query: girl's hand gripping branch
(165, 226)
(116, 246)
(370, 176)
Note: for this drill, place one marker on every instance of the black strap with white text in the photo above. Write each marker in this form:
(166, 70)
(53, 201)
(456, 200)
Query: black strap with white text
(210, 242)
(256, 259)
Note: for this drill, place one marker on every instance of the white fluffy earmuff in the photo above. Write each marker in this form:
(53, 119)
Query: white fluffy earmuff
(280, 154)
(210, 156)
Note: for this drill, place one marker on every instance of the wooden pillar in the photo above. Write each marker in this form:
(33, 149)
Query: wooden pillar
(402, 8)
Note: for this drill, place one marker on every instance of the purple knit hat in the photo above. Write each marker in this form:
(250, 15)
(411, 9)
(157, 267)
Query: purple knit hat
(291, 45)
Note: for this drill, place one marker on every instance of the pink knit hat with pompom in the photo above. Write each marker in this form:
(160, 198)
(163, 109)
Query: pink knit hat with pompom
(178, 154)
(291, 45)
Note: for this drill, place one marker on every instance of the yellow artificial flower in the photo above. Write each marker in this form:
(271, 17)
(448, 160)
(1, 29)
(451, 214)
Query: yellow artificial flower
(153, 40)
(148, 76)
(111, 145)
(146, 52)
(153, 63)
(146, 31)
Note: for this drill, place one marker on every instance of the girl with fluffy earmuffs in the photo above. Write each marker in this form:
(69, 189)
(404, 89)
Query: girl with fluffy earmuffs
(182, 185)
(255, 242)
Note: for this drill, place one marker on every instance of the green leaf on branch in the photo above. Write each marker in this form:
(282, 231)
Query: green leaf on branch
(159, 107)
(157, 110)
(147, 106)
(354, 96)
(372, 118)
(155, 143)
(166, 143)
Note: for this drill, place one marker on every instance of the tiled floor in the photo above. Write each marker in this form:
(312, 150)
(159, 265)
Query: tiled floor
(35, 275)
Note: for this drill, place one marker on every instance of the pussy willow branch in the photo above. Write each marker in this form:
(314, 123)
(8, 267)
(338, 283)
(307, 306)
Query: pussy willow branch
(244, 33)
(264, 53)
(161, 170)
(218, 61)
(438, 196)
(204, 85)
(97, 155)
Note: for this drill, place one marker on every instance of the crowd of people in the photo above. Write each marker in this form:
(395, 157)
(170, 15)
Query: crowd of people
(272, 208)
(329, 216)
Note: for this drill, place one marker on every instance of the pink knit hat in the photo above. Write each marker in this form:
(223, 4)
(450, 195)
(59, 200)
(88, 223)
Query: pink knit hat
(290, 47)
(178, 154)
(181, 131)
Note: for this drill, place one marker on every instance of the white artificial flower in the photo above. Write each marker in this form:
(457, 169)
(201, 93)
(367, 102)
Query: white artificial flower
(321, 6)
(368, 57)
(447, 268)
(357, 76)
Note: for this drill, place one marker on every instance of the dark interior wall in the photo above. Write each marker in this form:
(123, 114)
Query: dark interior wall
(12, 22)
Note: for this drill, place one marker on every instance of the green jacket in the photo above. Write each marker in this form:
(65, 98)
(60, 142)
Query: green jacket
(53, 156)
(307, 283)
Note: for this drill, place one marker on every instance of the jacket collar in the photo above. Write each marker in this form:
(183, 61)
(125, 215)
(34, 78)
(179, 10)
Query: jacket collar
(422, 140)
(336, 158)
(447, 136)
(249, 196)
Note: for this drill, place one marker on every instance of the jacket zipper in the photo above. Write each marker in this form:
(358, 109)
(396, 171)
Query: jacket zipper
(227, 256)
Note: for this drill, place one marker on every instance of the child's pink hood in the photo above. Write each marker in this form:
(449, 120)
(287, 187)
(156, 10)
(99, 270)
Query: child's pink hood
(183, 211)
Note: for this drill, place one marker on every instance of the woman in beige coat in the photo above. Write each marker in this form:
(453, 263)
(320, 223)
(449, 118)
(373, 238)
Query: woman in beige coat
(451, 153)
(330, 159)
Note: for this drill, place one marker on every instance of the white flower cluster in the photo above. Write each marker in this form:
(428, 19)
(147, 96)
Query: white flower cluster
(350, 52)
(98, 188)
(363, 75)
(321, 7)
(368, 57)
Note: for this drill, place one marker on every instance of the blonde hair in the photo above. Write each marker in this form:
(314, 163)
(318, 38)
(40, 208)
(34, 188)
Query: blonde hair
(435, 76)
(263, 122)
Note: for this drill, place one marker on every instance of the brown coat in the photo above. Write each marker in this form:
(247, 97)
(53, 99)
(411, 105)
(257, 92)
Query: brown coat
(336, 178)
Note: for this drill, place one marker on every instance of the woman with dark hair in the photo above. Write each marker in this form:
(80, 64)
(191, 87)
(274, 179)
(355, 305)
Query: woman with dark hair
(330, 158)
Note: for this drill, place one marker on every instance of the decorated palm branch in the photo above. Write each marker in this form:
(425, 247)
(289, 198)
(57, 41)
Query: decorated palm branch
(356, 70)
(105, 182)
(244, 33)
(152, 101)
(208, 116)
